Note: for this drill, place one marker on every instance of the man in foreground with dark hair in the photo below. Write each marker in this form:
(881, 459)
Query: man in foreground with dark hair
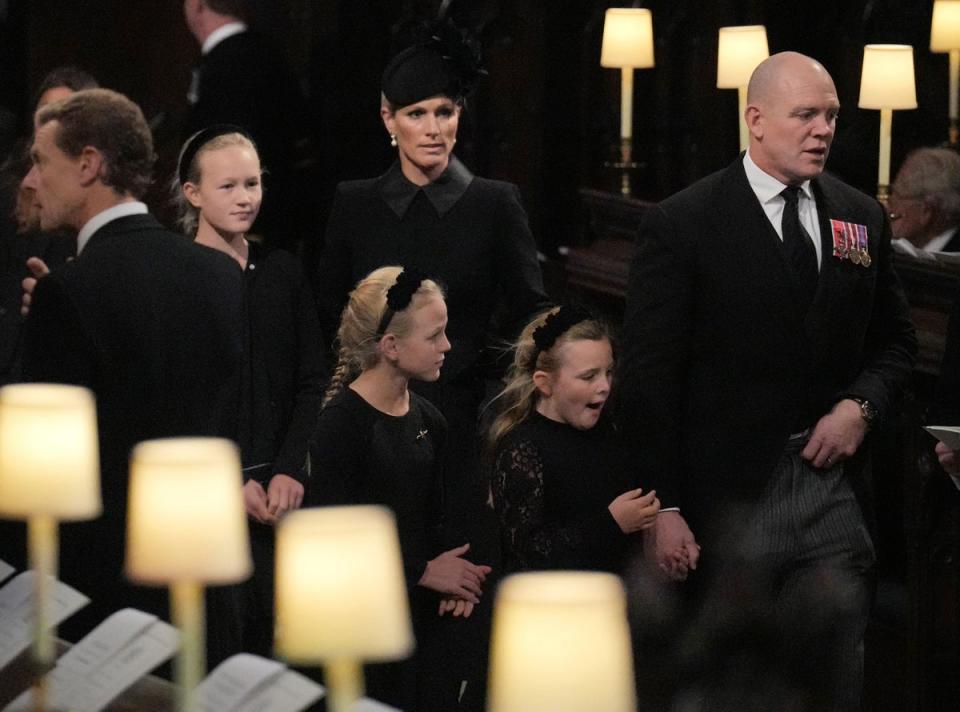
(149, 321)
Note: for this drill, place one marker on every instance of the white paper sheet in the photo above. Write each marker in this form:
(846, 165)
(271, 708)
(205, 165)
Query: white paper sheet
(365, 704)
(234, 680)
(16, 612)
(950, 434)
(5, 570)
(290, 692)
(111, 658)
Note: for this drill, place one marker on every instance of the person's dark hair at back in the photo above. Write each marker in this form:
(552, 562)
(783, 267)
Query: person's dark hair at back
(71, 77)
(114, 125)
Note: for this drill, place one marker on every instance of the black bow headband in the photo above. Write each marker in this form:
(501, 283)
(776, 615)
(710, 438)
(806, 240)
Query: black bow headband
(399, 296)
(556, 325)
(198, 141)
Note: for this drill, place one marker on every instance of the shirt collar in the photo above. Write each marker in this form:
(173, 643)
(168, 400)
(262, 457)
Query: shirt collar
(443, 193)
(220, 34)
(120, 210)
(940, 241)
(765, 185)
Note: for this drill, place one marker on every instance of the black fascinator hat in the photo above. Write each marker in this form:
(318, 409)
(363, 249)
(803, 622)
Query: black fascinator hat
(444, 61)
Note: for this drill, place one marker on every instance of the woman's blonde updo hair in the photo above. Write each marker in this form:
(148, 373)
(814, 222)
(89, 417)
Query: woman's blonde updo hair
(358, 338)
(188, 216)
(520, 396)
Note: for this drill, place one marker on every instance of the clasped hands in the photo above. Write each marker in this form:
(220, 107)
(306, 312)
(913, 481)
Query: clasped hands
(460, 579)
(282, 495)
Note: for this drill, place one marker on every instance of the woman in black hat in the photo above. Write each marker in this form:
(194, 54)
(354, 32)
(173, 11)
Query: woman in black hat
(471, 234)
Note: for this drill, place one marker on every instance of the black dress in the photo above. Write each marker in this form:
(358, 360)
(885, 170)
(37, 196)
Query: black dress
(552, 485)
(283, 388)
(361, 455)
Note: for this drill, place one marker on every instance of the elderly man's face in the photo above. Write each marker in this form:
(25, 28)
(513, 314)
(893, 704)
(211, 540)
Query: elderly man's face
(56, 180)
(909, 218)
(795, 124)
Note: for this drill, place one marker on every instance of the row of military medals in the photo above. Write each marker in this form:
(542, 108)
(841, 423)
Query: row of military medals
(850, 242)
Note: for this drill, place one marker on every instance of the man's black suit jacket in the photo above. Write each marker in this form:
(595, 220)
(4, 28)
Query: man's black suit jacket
(153, 325)
(244, 80)
(720, 364)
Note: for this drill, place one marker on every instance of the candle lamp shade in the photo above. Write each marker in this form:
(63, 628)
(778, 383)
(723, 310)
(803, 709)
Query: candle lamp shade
(561, 643)
(49, 459)
(627, 38)
(887, 80)
(340, 588)
(739, 51)
(186, 519)
(945, 26)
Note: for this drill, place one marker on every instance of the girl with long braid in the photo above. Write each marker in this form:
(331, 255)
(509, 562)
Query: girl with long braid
(377, 442)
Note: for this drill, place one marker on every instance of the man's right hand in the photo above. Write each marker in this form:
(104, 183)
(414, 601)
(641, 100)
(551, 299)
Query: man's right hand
(949, 458)
(38, 268)
(671, 546)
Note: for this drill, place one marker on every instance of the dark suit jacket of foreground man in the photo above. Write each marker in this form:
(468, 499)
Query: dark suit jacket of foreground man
(152, 324)
(720, 365)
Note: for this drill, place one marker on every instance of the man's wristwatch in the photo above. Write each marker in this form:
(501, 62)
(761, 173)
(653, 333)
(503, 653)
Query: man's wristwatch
(868, 411)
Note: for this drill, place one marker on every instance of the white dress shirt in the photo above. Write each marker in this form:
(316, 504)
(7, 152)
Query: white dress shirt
(220, 34)
(120, 210)
(768, 189)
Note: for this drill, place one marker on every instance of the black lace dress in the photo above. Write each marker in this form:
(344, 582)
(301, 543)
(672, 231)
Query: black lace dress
(551, 487)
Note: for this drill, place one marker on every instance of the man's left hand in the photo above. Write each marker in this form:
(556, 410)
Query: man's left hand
(836, 435)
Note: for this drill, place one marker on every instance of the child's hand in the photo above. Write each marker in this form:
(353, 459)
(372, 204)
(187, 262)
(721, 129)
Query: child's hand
(456, 606)
(634, 510)
(449, 573)
(255, 502)
(284, 494)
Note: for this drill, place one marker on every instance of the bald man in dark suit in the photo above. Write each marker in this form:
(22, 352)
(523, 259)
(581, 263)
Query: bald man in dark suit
(765, 334)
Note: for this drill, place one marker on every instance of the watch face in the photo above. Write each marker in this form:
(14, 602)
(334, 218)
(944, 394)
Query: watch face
(869, 411)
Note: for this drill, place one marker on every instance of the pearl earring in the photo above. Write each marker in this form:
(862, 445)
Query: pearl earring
(393, 140)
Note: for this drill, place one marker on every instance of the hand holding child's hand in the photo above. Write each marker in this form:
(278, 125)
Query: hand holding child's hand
(449, 573)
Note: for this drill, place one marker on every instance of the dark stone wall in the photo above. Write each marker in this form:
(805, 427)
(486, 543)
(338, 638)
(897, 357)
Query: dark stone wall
(546, 117)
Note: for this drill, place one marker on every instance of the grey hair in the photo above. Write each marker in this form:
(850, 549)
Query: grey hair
(932, 174)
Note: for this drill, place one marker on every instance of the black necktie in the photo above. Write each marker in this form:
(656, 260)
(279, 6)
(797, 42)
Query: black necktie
(799, 247)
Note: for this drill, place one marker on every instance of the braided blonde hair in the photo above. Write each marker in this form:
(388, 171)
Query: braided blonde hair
(520, 396)
(357, 338)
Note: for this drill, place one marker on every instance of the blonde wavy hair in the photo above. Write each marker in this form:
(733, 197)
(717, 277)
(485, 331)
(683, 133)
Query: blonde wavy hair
(519, 397)
(357, 338)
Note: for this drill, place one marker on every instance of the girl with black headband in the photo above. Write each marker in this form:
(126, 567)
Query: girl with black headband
(429, 211)
(561, 484)
(218, 191)
(378, 442)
